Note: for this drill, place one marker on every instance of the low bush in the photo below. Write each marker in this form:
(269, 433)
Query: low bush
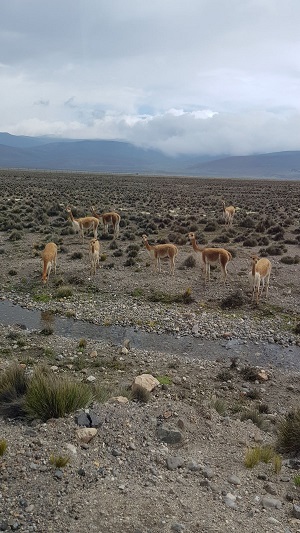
(233, 301)
(189, 262)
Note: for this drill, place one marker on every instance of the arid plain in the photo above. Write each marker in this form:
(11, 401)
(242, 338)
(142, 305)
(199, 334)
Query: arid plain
(204, 392)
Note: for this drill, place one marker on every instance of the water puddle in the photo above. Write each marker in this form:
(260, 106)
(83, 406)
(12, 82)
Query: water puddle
(261, 353)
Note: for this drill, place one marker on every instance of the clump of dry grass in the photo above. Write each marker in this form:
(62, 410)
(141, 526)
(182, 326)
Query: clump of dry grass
(289, 433)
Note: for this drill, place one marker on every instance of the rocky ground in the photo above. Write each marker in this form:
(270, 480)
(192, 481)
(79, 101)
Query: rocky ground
(174, 463)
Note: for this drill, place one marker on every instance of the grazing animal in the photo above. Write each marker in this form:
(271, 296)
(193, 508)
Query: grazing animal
(85, 223)
(228, 213)
(94, 253)
(49, 258)
(260, 274)
(109, 218)
(161, 251)
(211, 256)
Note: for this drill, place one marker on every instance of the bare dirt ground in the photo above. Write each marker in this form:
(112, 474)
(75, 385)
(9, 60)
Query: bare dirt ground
(132, 476)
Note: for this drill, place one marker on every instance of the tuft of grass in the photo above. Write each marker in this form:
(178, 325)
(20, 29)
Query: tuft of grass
(252, 457)
(253, 415)
(77, 255)
(224, 375)
(159, 296)
(289, 432)
(50, 396)
(219, 405)
(137, 292)
(140, 394)
(13, 383)
(297, 481)
(45, 298)
(82, 343)
(233, 301)
(15, 236)
(264, 454)
(277, 463)
(297, 329)
(102, 393)
(64, 292)
(189, 262)
(48, 330)
(250, 373)
(3, 447)
(59, 461)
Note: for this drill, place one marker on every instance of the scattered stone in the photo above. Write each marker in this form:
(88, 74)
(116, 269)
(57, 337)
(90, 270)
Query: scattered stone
(296, 511)
(271, 488)
(230, 501)
(169, 435)
(174, 462)
(269, 503)
(85, 435)
(234, 480)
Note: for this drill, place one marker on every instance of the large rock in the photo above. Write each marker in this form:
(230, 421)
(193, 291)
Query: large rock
(146, 381)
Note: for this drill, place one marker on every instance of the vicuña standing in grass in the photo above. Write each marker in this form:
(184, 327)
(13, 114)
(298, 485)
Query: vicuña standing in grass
(161, 251)
(228, 214)
(109, 218)
(49, 258)
(211, 256)
(94, 253)
(85, 223)
(260, 273)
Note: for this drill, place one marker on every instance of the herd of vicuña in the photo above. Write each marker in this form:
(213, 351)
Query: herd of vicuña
(259, 275)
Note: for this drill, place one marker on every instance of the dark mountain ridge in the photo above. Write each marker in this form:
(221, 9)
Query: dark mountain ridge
(50, 153)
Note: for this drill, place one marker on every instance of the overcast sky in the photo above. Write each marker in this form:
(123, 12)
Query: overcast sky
(183, 76)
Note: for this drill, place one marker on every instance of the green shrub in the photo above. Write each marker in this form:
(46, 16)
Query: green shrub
(50, 396)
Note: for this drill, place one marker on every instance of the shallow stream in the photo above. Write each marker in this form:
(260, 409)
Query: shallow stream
(258, 353)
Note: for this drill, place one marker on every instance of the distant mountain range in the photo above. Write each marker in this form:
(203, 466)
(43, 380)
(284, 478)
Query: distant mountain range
(49, 153)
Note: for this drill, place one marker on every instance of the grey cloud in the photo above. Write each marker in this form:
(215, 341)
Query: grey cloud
(237, 59)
